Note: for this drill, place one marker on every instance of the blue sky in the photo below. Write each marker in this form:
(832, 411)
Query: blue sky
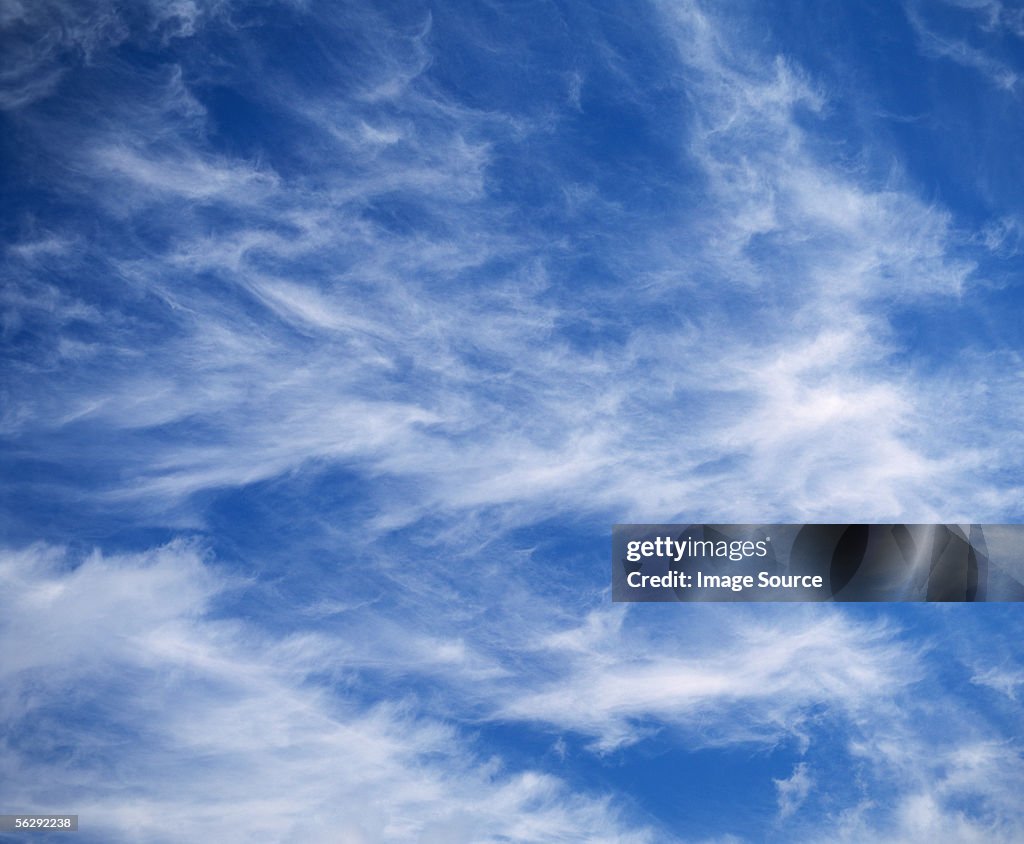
(338, 335)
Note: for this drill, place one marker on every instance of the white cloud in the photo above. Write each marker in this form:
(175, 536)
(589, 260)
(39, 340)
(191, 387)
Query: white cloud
(1001, 680)
(957, 49)
(437, 351)
(721, 680)
(389, 312)
(792, 792)
(187, 176)
(188, 726)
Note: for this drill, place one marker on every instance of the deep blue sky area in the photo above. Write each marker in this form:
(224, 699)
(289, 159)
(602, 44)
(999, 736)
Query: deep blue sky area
(337, 335)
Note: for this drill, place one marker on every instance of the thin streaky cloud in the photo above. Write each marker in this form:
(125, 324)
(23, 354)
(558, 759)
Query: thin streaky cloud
(336, 336)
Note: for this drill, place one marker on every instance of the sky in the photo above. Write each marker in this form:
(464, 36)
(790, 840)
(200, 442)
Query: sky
(337, 335)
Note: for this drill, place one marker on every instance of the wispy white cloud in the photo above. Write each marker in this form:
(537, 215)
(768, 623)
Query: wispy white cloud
(992, 16)
(207, 728)
(378, 299)
(134, 647)
(793, 791)
(44, 40)
(435, 312)
(189, 178)
(959, 795)
(1001, 680)
(735, 683)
